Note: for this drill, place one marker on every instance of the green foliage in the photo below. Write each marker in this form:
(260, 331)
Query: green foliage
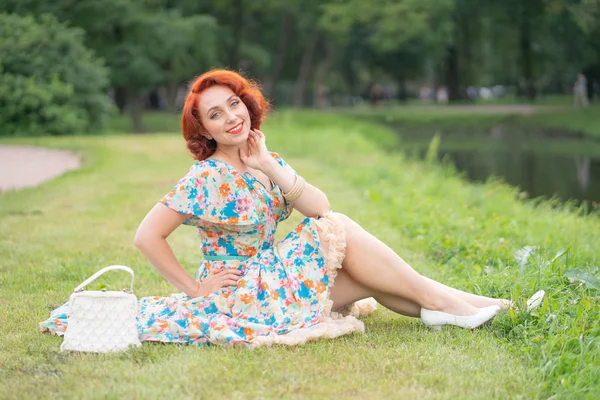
(145, 43)
(31, 107)
(51, 83)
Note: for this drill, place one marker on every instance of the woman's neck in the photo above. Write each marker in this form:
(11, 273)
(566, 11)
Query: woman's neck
(230, 155)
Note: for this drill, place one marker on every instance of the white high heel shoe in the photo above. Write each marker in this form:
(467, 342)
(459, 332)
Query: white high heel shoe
(436, 319)
(536, 300)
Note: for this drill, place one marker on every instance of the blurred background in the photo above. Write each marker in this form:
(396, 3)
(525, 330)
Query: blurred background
(512, 86)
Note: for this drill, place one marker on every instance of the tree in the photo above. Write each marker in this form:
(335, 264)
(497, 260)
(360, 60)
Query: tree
(51, 83)
(146, 43)
(398, 37)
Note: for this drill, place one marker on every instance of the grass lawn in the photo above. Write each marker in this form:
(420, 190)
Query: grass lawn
(466, 235)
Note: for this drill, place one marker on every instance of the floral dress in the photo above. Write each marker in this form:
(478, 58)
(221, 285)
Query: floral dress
(282, 295)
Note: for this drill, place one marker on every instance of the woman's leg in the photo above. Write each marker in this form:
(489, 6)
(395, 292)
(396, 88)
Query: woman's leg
(377, 267)
(347, 290)
(473, 299)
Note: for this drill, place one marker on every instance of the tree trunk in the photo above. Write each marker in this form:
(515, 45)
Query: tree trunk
(452, 67)
(452, 78)
(305, 67)
(526, 53)
(133, 103)
(237, 21)
(321, 93)
(121, 98)
(270, 83)
(171, 96)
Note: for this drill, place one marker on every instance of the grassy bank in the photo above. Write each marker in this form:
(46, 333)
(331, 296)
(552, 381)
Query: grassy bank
(466, 235)
(558, 121)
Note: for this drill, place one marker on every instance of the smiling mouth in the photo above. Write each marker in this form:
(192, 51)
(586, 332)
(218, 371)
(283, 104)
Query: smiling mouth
(236, 129)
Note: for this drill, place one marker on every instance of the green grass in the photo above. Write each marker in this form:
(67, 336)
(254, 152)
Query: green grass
(59, 233)
(481, 117)
(584, 121)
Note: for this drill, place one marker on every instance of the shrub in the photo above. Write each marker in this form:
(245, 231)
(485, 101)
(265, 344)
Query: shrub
(50, 82)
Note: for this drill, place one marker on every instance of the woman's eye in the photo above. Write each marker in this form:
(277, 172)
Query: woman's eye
(235, 103)
(215, 115)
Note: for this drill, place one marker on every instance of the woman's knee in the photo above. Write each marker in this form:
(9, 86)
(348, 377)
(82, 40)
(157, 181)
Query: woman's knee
(350, 225)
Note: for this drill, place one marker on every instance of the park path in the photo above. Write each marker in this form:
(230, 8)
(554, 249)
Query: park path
(27, 166)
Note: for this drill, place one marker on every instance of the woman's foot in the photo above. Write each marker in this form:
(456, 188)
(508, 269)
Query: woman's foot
(505, 304)
(437, 319)
(450, 304)
(532, 303)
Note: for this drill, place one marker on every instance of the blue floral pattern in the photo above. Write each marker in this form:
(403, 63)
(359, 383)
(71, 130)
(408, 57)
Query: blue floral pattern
(283, 293)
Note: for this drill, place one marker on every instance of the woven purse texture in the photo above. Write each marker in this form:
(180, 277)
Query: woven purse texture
(101, 321)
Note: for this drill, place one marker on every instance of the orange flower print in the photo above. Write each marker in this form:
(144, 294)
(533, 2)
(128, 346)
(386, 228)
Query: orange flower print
(264, 285)
(245, 218)
(249, 333)
(274, 295)
(247, 298)
(240, 183)
(276, 202)
(233, 220)
(162, 325)
(204, 174)
(251, 251)
(241, 283)
(320, 287)
(309, 284)
(224, 189)
(299, 228)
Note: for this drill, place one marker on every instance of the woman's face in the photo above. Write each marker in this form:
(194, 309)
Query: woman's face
(224, 116)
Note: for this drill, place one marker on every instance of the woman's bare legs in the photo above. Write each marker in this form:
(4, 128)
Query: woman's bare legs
(473, 299)
(346, 290)
(379, 269)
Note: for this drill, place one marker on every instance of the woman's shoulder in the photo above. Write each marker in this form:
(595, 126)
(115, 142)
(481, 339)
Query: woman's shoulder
(210, 170)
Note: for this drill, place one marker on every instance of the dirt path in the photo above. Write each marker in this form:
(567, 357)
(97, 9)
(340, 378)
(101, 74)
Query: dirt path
(26, 166)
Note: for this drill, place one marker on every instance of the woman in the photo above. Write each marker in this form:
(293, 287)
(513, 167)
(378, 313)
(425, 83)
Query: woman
(249, 290)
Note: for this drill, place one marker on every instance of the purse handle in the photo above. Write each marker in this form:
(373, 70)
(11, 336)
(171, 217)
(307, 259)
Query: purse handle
(102, 271)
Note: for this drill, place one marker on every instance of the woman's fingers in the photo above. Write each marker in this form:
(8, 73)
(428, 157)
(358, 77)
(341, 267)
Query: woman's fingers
(228, 272)
(229, 282)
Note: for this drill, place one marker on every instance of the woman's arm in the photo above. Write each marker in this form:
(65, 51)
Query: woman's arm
(151, 239)
(311, 202)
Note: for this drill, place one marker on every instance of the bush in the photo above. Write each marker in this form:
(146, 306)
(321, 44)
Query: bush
(50, 82)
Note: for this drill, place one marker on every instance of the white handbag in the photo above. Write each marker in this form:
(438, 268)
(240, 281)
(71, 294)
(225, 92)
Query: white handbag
(101, 321)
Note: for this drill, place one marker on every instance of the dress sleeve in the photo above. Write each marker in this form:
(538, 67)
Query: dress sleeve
(209, 196)
(286, 208)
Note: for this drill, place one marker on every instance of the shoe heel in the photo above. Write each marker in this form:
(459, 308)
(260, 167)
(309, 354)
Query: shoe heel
(435, 327)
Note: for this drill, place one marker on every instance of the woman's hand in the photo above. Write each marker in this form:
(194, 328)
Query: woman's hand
(257, 156)
(217, 280)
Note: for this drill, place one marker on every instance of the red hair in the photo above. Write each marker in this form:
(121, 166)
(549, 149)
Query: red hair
(248, 91)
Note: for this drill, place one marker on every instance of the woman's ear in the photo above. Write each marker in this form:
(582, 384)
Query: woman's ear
(206, 135)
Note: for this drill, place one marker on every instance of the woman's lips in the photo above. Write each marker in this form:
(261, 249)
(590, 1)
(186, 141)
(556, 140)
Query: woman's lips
(236, 129)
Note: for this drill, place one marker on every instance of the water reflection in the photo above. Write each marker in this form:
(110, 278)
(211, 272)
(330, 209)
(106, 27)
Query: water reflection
(569, 177)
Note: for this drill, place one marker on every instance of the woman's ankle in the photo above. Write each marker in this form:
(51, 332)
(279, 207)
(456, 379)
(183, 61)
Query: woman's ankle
(450, 304)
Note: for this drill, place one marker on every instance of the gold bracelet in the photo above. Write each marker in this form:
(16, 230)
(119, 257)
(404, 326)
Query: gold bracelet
(296, 190)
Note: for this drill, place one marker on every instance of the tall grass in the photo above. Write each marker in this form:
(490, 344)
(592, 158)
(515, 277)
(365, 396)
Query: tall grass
(463, 234)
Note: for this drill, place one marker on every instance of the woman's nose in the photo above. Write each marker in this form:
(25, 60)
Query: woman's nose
(231, 117)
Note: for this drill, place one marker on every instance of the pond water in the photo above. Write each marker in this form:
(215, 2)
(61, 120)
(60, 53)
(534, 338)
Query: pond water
(540, 163)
